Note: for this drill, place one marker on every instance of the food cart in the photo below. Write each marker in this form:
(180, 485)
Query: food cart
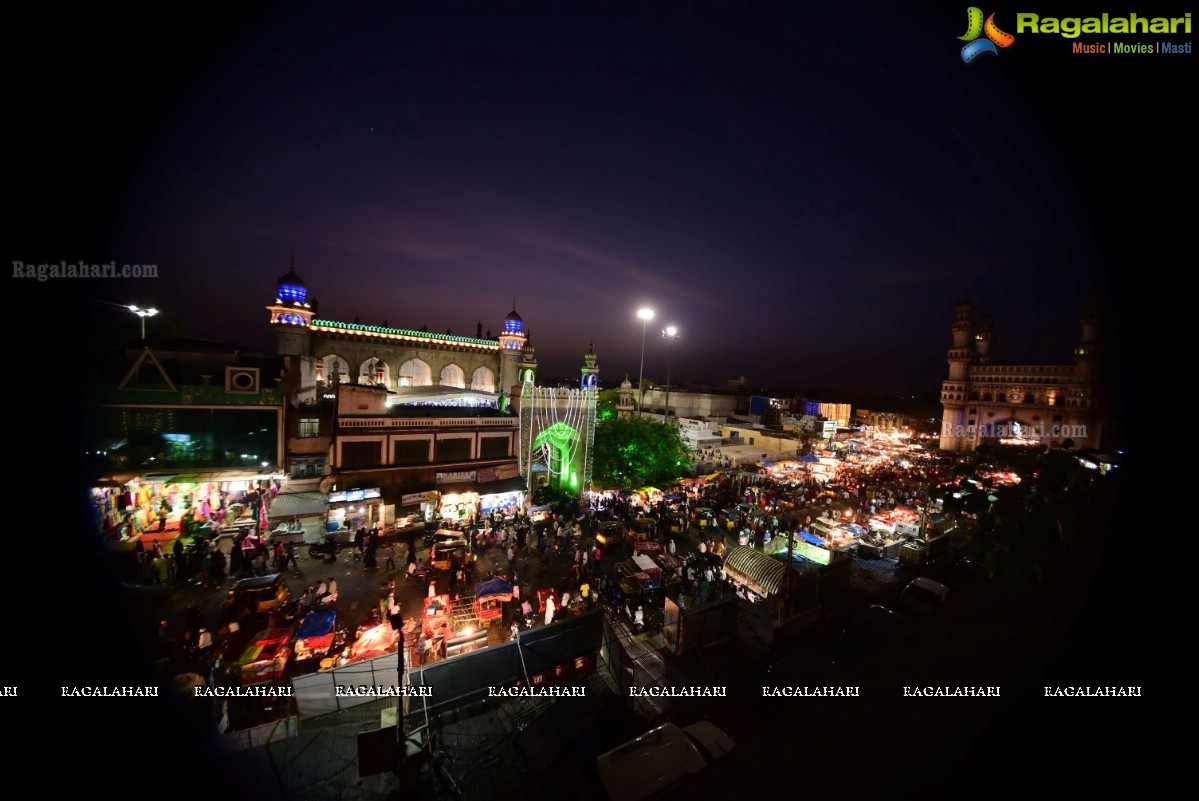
(266, 657)
(490, 597)
(314, 638)
(638, 575)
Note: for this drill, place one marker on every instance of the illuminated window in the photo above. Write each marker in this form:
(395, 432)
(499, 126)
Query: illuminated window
(310, 427)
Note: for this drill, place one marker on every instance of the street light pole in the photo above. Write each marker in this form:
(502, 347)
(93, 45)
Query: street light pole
(670, 333)
(645, 315)
(143, 313)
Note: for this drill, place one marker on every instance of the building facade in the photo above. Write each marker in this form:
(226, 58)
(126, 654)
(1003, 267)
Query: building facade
(1049, 404)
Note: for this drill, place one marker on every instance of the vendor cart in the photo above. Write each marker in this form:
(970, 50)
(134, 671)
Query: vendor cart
(543, 596)
(266, 658)
(375, 641)
(316, 635)
(490, 597)
(435, 617)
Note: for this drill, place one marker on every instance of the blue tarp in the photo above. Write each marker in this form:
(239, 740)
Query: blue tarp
(812, 538)
(316, 624)
(855, 529)
(809, 458)
(495, 586)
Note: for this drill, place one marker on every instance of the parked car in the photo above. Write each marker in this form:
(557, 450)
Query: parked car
(922, 595)
(867, 633)
(649, 765)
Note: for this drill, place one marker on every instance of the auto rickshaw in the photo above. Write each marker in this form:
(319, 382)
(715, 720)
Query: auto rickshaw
(258, 594)
(643, 528)
(610, 532)
(704, 516)
(677, 523)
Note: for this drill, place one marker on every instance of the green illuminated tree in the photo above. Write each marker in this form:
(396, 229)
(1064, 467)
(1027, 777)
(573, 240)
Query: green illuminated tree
(636, 451)
(605, 405)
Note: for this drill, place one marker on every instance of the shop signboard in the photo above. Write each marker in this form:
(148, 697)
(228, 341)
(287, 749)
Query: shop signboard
(354, 495)
(413, 498)
(498, 473)
(457, 477)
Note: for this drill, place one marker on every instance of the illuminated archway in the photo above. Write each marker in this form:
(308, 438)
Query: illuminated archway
(557, 446)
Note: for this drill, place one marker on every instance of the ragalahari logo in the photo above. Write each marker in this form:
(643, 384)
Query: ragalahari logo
(975, 27)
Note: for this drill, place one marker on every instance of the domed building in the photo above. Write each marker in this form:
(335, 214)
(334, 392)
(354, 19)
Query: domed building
(419, 421)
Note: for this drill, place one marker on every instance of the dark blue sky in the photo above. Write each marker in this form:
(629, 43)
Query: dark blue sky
(804, 189)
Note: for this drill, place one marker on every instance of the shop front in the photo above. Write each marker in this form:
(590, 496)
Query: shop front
(467, 495)
(417, 509)
(163, 507)
(350, 510)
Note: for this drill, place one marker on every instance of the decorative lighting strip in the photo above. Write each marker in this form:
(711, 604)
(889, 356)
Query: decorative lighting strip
(334, 327)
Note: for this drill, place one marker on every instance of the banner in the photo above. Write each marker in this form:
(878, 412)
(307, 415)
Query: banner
(413, 498)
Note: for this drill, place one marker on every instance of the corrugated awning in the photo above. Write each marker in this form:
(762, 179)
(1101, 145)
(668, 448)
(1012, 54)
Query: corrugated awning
(755, 570)
(299, 504)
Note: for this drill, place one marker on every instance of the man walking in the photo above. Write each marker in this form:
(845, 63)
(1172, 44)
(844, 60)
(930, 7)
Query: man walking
(391, 558)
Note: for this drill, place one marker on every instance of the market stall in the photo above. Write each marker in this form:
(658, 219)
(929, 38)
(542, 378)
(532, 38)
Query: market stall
(490, 597)
(314, 638)
(265, 660)
(376, 641)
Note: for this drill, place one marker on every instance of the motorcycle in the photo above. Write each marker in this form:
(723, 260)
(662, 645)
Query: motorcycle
(326, 550)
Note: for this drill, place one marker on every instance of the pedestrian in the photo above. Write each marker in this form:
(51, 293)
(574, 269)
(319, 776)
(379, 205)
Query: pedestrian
(384, 601)
(391, 558)
(289, 556)
(511, 558)
(549, 610)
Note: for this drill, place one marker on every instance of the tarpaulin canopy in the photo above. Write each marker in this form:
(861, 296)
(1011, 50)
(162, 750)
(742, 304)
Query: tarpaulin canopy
(809, 458)
(299, 504)
(755, 570)
(494, 586)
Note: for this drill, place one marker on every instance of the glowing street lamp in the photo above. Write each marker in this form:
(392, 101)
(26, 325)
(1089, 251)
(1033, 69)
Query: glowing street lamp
(670, 333)
(143, 313)
(645, 315)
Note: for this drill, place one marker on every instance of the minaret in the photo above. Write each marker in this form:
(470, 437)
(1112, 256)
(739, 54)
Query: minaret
(1088, 351)
(590, 370)
(982, 340)
(290, 314)
(1084, 416)
(954, 391)
(624, 405)
(527, 366)
(512, 339)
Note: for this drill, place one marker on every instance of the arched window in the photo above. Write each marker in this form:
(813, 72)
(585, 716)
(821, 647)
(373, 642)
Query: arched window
(415, 373)
(452, 376)
(374, 371)
(482, 379)
(333, 363)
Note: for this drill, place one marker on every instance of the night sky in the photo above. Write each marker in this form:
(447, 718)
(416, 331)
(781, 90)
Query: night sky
(803, 189)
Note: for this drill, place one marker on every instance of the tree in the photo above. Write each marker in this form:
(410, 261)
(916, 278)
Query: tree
(637, 451)
(605, 405)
